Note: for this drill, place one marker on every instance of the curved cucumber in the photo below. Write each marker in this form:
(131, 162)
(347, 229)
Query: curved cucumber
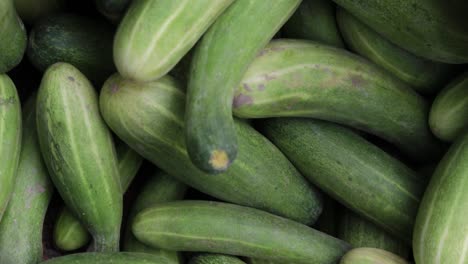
(216, 227)
(215, 259)
(306, 79)
(371, 256)
(76, 146)
(219, 62)
(106, 258)
(441, 232)
(31, 11)
(351, 170)
(154, 35)
(449, 111)
(112, 9)
(149, 117)
(21, 225)
(13, 37)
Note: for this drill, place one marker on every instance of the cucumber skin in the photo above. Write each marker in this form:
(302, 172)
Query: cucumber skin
(449, 110)
(262, 177)
(10, 138)
(106, 258)
(21, 226)
(371, 256)
(211, 83)
(13, 37)
(351, 170)
(215, 259)
(31, 11)
(301, 78)
(423, 75)
(216, 227)
(441, 218)
(100, 211)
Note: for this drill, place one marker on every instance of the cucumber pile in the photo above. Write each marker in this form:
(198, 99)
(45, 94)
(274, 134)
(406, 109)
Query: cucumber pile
(233, 132)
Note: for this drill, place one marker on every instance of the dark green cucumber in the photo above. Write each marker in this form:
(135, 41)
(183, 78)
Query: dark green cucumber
(77, 146)
(371, 256)
(351, 170)
(216, 227)
(314, 20)
(441, 230)
(12, 35)
(149, 117)
(85, 43)
(423, 75)
(307, 79)
(449, 111)
(220, 60)
(21, 226)
(31, 11)
(108, 258)
(10, 138)
(215, 259)
(112, 9)
(431, 29)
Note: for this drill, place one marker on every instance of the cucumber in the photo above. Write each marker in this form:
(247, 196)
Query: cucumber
(69, 233)
(215, 259)
(307, 79)
(107, 258)
(154, 35)
(224, 228)
(31, 11)
(10, 138)
(112, 9)
(441, 232)
(314, 20)
(371, 256)
(13, 37)
(449, 110)
(219, 62)
(430, 29)
(423, 75)
(129, 163)
(76, 146)
(328, 220)
(351, 170)
(84, 42)
(149, 117)
(21, 226)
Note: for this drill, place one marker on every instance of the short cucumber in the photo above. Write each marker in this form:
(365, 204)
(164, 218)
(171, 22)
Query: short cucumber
(215, 259)
(112, 9)
(371, 256)
(107, 258)
(12, 35)
(31, 11)
(216, 227)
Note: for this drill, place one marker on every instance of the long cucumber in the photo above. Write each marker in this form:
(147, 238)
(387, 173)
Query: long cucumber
(107, 258)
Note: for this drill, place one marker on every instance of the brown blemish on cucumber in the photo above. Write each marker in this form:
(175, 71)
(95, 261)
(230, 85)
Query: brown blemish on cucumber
(71, 78)
(356, 80)
(241, 99)
(114, 88)
(261, 87)
(219, 160)
(246, 87)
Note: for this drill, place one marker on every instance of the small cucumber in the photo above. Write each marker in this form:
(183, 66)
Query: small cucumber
(107, 258)
(112, 9)
(12, 35)
(31, 11)
(216, 227)
(371, 256)
(215, 259)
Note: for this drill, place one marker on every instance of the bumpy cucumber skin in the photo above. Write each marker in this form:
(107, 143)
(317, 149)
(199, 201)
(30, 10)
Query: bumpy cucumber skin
(106, 258)
(216, 227)
(32, 10)
(13, 37)
(154, 35)
(351, 170)
(306, 79)
(423, 75)
(76, 146)
(220, 60)
(149, 117)
(69, 233)
(371, 256)
(10, 138)
(430, 29)
(441, 230)
(215, 259)
(21, 225)
(449, 111)
(314, 20)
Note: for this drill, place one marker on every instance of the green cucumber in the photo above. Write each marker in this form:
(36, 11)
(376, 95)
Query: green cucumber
(85, 43)
(351, 170)
(10, 138)
(423, 75)
(13, 37)
(371, 256)
(449, 110)
(219, 62)
(69, 233)
(107, 258)
(430, 28)
(154, 35)
(215, 259)
(307, 79)
(21, 226)
(314, 20)
(441, 232)
(149, 117)
(77, 147)
(31, 11)
(129, 163)
(112, 9)
(216, 227)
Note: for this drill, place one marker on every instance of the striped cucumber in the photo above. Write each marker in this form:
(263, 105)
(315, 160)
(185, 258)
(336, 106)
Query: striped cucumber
(21, 226)
(441, 230)
(449, 110)
(371, 256)
(107, 258)
(13, 37)
(215, 259)
(220, 60)
(31, 11)
(216, 227)
(154, 35)
(306, 79)
(10, 138)
(149, 117)
(77, 146)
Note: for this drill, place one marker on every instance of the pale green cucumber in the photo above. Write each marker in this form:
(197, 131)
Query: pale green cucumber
(12, 35)
(79, 153)
(371, 256)
(32, 10)
(108, 258)
(215, 259)
(219, 62)
(149, 117)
